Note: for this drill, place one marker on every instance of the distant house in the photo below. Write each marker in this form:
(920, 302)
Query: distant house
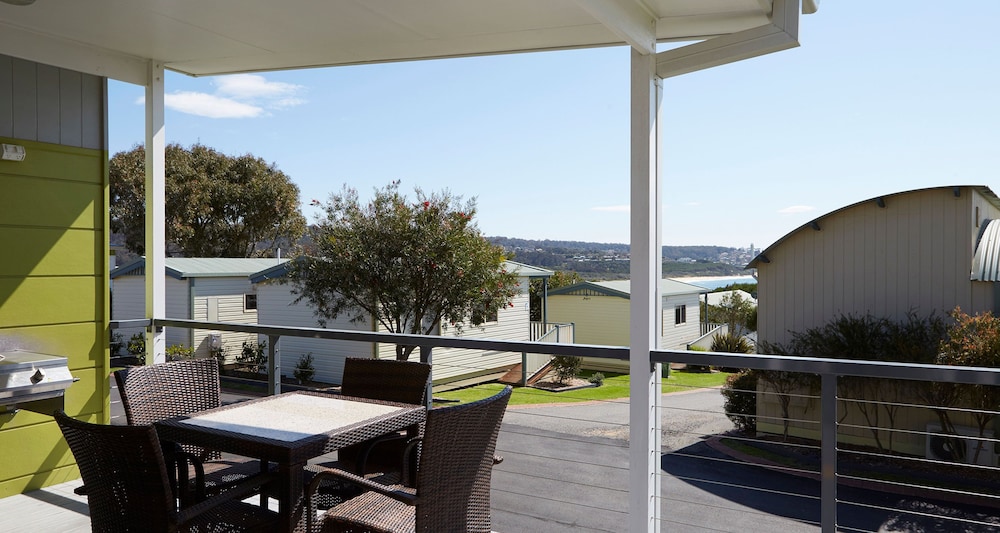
(276, 306)
(600, 313)
(926, 250)
(210, 289)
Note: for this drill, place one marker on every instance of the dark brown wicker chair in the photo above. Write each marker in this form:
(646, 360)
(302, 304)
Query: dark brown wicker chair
(157, 392)
(381, 379)
(452, 492)
(128, 487)
(377, 379)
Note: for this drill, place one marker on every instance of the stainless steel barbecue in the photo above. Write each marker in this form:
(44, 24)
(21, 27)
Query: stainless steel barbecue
(26, 377)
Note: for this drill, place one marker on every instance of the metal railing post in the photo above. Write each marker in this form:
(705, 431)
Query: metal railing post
(273, 366)
(828, 453)
(427, 357)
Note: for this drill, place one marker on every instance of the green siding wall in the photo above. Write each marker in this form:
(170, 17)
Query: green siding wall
(53, 297)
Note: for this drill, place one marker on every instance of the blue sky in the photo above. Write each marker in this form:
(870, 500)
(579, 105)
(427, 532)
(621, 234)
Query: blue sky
(880, 97)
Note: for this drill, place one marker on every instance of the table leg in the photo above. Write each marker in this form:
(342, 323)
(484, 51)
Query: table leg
(291, 502)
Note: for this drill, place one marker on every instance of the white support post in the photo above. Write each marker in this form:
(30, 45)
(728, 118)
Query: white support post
(646, 271)
(156, 305)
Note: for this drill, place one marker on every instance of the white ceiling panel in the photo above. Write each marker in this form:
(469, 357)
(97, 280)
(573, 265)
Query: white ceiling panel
(208, 37)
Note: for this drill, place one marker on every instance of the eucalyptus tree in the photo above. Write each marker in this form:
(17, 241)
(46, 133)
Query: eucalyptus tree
(216, 205)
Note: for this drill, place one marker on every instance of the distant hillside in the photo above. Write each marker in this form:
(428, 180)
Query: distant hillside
(602, 261)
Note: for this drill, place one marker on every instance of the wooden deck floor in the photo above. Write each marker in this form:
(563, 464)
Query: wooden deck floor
(54, 508)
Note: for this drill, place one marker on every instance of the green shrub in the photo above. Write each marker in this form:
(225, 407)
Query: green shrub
(220, 355)
(304, 370)
(253, 356)
(178, 352)
(137, 347)
(740, 393)
(730, 343)
(117, 343)
(597, 379)
(566, 367)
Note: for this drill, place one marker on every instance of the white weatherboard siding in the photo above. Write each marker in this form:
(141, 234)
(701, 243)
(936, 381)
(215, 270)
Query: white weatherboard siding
(677, 336)
(178, 305)
(128, 302)
(915, 254)
(512, 323)
(275, 307)
(220, 299)
(451, 364)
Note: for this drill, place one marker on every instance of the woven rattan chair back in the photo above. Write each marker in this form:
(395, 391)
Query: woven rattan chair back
(124, 472)
(386, 379)
(456, 465)
(157, 392)
(382, 379)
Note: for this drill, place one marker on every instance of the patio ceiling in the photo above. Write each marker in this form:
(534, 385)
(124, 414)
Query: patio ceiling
(116, 38)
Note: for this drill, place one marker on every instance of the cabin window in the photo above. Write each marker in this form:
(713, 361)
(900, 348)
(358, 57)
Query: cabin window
(680, 314)
(250, 302)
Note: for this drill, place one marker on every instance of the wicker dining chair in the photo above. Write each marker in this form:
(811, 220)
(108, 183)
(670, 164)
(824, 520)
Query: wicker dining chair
(452, 491)
(381, 379)
(128, 488)
(376, 379)
(156, 392)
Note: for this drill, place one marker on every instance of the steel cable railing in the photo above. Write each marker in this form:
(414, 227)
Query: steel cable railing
(568, 469)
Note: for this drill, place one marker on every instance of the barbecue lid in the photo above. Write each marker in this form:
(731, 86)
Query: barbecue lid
(29, 376)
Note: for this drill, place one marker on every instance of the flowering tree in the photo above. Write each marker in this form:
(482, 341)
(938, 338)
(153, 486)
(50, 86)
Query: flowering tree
(409, 266)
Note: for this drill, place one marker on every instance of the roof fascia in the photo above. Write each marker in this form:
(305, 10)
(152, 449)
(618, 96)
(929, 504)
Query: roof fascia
(600, 289)
(274, 272)
(50, 50)
(781, 34)
(628, 19)
(140, 264)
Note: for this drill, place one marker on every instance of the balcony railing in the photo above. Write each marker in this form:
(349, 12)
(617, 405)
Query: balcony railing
(810, 466)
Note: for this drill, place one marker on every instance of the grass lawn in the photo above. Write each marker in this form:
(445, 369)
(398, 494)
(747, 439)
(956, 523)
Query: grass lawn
(615, 386)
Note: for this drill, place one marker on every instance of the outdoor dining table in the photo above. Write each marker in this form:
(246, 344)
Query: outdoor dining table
(288, 430)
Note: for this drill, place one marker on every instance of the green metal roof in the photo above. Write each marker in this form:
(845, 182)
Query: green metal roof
(623, 288)
(521, 269)
(528, 271)
(202, 267)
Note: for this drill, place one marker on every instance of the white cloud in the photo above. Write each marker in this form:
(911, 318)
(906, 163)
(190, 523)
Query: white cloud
(211, 106)
(236, 96)
(612, 208)
(795, 209)
(254, 86)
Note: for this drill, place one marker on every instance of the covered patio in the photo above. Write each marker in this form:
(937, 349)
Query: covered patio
(64, 51)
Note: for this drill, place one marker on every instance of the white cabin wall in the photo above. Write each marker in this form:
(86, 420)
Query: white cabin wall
(128, 303)
(513, 323)
(678, 336)
(276, 307)
(228, 294)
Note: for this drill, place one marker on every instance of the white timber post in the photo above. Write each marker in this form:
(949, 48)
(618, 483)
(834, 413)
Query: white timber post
(156, 305)
(644, 303)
